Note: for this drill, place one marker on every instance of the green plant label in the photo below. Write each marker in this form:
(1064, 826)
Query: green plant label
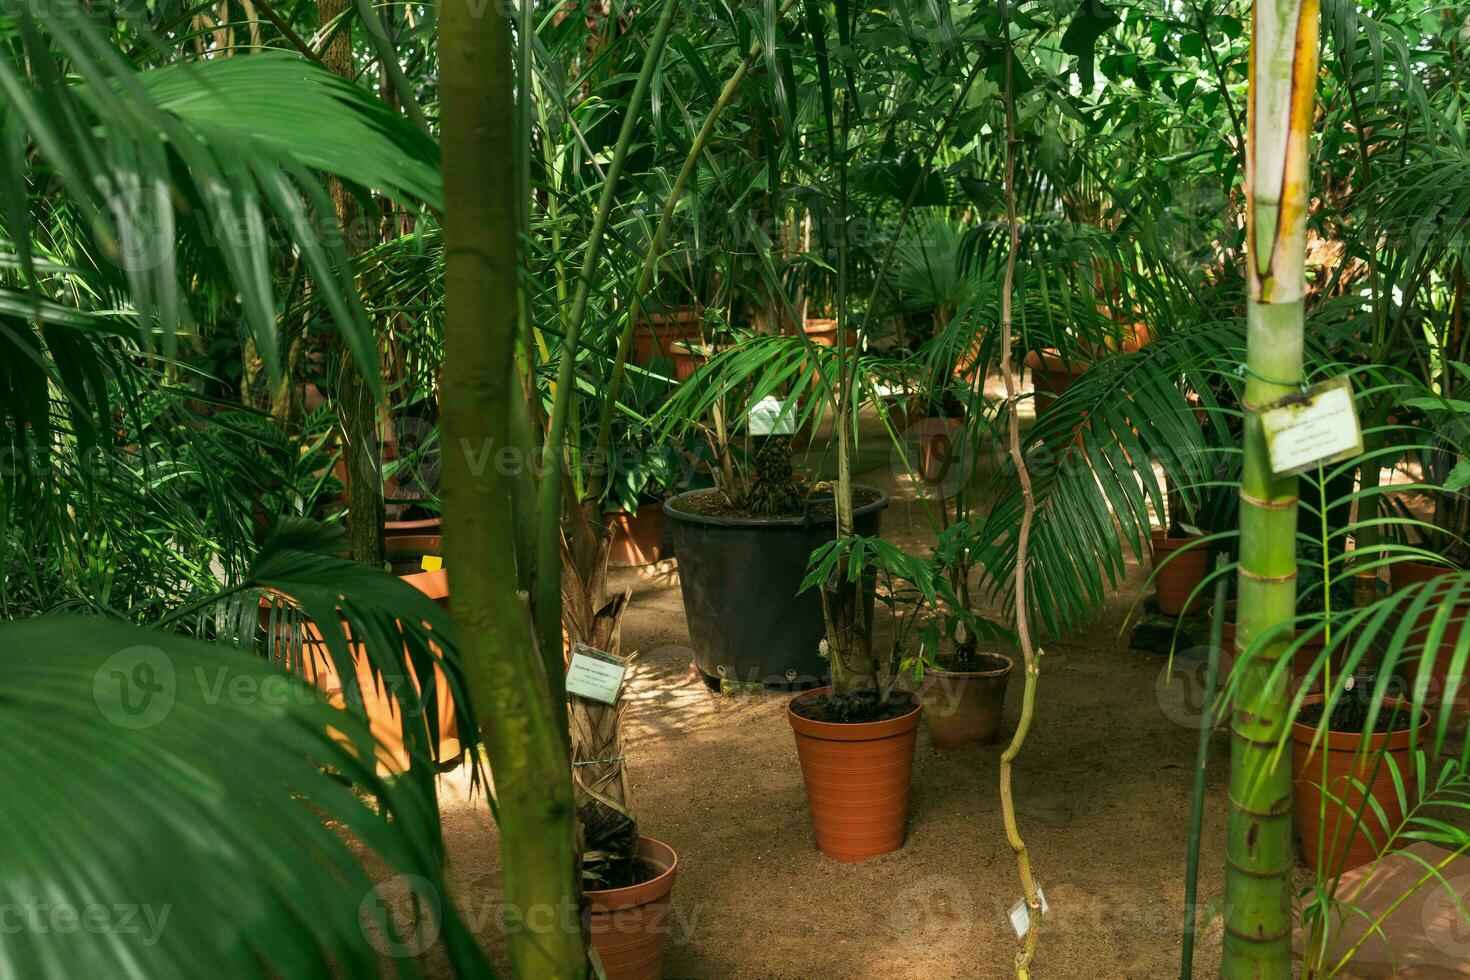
(595, 674)
(1312, 428)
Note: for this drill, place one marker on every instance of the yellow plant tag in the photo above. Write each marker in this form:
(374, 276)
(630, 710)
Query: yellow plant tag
(431, 563)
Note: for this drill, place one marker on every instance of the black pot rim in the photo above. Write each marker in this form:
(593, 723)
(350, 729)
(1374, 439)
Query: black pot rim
(671, 508)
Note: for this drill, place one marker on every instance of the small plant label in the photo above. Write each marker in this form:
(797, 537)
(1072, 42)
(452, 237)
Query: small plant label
(1312, 428)
(1021, 913)
(595, 674)
(431, 563)
(772, 417)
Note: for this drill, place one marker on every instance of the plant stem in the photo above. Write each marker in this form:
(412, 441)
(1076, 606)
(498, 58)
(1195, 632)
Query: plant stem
(1030, 657)
(383, 46)
(1202, 755)
(357, 405)
(655, 247)
(1258, 917)
(549, 538)
(506, 677)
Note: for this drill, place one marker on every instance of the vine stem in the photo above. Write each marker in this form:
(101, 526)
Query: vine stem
(1029, 655)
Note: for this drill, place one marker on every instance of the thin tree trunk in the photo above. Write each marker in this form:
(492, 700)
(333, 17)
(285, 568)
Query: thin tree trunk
(357, 407)
(1030, 658)
(506, 675)
(1258, 916)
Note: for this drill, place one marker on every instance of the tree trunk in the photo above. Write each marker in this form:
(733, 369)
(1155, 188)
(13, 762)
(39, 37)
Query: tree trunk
(356, 407)
(505, 672)
(1258, 916)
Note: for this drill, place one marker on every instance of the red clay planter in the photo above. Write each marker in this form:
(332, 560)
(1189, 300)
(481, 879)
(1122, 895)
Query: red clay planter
(936, 437)
(823, 333)
(1402, 575)
(629, 927)
(1347, 764)
(657, 337)
(963, 709)
(857, 780)
(1051, 374)
(637, 538)
(1174, 582)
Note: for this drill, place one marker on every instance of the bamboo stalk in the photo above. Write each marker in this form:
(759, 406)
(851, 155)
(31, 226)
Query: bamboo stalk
(506, 677)
(1030, 657)
(1258, 916)
(549, 538)
(655, 246)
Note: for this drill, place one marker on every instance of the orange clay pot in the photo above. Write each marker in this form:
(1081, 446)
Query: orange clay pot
(658, 336)
(382, 711)
(963, 709)
(936, 439)
(823, 333)
(1344, 849)
(687, 361)
(637, 538)
(1051, 374)
(1402, 575)
(629, 927)
(1174, 582)
(857, 780)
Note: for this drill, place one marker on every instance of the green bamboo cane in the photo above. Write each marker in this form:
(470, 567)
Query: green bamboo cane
(655, 246)
(507, 680)
(548, 548)
(1258, 917)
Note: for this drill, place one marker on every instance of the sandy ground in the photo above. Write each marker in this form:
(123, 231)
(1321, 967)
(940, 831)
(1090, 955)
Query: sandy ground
(1102, 792)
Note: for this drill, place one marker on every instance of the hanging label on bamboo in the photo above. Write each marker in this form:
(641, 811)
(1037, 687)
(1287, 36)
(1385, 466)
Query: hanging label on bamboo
(1312, 428)
(595, 674)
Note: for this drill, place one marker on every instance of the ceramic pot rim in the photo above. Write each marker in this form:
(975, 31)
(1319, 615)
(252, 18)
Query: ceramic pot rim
(645, 892)
(1351, 741)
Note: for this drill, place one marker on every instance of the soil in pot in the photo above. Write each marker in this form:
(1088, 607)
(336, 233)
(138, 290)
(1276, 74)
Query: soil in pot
(1325, 821)
(1174, 581)
(637, 539)
(628, 925)
(964, 707)
(1402, 575)
(740, 576)
(857, 775)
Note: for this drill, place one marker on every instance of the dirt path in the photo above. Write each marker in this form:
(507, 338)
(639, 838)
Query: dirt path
(1102, 791)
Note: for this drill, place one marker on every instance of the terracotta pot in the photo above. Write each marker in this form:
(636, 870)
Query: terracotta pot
(417, 528)
(1344, 849)
(936, 438)
(1174, 582)
(1402, 575)
(687, 361)
(658, 336)
(628, 926)
(823, 333)
(637, 538)
(382, 714)
(964, 708)
(1051, 374)
(857, 780)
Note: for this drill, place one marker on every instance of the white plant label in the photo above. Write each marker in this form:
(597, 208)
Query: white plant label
(772, 417)
(1021, 913)
(1312, 428)
(595, 674)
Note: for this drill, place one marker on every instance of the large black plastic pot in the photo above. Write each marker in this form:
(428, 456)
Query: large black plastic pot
(740, 577)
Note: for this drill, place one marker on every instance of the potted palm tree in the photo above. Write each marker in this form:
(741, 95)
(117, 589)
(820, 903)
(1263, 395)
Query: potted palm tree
(855, 739)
